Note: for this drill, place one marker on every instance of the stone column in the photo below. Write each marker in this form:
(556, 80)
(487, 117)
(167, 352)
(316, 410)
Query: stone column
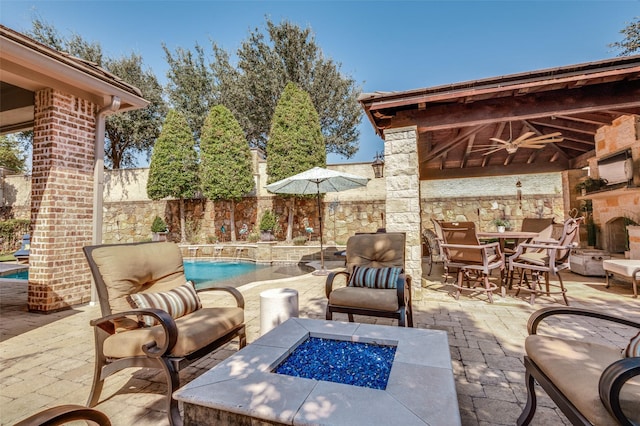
(61, 201)
(401, 170)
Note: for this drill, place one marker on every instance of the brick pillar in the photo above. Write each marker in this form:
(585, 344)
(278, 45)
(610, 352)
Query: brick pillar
(61, 201)
(401, 172)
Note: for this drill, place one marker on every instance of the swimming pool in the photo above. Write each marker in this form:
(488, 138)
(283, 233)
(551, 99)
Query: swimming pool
(205, 273)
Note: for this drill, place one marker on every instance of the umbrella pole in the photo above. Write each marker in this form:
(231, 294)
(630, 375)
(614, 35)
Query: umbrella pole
(321, 271)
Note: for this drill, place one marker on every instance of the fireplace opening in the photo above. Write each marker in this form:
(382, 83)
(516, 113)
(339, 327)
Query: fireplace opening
(616, 235)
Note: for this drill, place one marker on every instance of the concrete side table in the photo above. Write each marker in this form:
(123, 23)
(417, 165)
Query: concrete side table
(276, 306)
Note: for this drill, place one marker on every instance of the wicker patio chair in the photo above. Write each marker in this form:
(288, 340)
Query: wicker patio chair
(376, 283)
(170, 327)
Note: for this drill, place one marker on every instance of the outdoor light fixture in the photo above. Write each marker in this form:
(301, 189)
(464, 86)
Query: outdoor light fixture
(519, 192)
(378, 165)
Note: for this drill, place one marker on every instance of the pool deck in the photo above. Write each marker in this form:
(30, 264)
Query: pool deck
(47, 360)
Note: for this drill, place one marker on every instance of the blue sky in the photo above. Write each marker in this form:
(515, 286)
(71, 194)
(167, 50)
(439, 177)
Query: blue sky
(383, 45)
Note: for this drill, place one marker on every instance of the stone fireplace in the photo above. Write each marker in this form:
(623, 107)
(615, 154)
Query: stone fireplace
(613, 207)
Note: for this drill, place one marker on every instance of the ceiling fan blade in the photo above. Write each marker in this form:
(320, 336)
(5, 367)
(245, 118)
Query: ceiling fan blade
(500, 141)
(492, 151)
(533, 146)
(542, 137)
(532, 142)
(523, 137)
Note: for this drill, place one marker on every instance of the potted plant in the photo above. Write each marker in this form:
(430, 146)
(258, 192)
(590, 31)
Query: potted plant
(501, 224)
(267, 225)
(590, 184)
(159, 229)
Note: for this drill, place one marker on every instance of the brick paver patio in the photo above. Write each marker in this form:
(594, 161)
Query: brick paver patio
(47, 360)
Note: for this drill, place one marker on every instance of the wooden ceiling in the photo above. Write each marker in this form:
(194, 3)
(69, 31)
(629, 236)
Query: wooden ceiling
(454, 121)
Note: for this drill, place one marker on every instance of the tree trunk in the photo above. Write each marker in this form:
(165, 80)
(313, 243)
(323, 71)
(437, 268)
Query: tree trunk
(290, 219)
(183, 225)
(232, 227)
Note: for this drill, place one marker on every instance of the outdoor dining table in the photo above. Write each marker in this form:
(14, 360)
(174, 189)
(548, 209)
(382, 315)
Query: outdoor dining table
(507, 235)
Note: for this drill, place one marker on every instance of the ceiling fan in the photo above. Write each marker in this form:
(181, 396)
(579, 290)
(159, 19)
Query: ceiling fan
(523, 141)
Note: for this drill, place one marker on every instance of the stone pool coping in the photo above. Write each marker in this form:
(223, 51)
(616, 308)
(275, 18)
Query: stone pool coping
(420, 390)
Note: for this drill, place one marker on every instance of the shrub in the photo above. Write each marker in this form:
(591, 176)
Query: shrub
(268, 221)
(158, 225)
(253, 237)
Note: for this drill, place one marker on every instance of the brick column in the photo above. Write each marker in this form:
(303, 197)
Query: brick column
(401, 172)
(61, 201)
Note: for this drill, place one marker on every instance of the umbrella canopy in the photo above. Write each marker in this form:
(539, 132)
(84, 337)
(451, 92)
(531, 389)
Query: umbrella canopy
(317, 181)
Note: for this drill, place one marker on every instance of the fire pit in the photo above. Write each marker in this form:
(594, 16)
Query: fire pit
(420, 388)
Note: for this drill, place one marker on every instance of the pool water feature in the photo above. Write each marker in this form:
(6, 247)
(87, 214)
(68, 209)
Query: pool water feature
(351, 363)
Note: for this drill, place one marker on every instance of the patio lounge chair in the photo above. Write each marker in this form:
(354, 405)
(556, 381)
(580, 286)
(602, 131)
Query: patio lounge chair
(544, 257)
(64, 414)
(376, 283)
(145, 275)
(474, 261)
(592, 384)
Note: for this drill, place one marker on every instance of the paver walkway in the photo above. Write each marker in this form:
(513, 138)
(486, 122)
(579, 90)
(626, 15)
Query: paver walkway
(47, 360)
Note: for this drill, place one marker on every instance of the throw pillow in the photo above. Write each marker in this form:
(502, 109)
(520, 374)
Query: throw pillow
(633, 348)
(177, 302)
(374, 277)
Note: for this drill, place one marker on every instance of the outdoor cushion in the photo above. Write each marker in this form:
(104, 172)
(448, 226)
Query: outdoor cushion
(575, 368)
(379, 250)
(367, 298)
(144, 267)
(374, 277)
(195, 331)
(177, 302)
(633, 348)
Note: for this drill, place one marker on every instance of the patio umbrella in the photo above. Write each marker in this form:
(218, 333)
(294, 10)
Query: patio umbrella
(317, 181)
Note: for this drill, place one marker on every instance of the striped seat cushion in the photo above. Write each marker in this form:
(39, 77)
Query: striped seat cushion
(178, 302)
(374, 277)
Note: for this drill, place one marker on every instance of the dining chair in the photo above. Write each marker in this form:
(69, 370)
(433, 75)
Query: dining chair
(543, 257)
(474, 261)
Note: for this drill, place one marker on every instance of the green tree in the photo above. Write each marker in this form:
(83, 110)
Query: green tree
(134, 132)
(631, 41)
(190, 85)
(127, 134)
(11, 155)
(225, 166)
(295, 140)
(173, 171)
(265, 67)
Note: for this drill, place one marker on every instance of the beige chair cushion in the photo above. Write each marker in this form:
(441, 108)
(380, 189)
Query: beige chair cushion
(367, 298)
(376, 250)
(575, 368)
(195, 331)
(153, 267)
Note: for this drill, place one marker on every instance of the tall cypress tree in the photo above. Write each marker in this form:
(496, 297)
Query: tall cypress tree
(226, 171)
(173, 171)
(295, 141)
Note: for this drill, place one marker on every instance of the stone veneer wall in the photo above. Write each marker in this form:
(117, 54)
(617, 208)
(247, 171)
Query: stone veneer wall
(61, 201)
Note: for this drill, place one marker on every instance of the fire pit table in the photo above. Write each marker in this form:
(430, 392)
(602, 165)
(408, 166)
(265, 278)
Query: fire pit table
(420, 388)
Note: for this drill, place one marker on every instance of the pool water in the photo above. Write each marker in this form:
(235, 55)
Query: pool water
(338, 361)
(20, 275)
(205, 273)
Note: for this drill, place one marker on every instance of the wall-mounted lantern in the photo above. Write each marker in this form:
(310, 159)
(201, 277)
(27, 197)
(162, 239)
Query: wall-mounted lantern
(378, 165)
